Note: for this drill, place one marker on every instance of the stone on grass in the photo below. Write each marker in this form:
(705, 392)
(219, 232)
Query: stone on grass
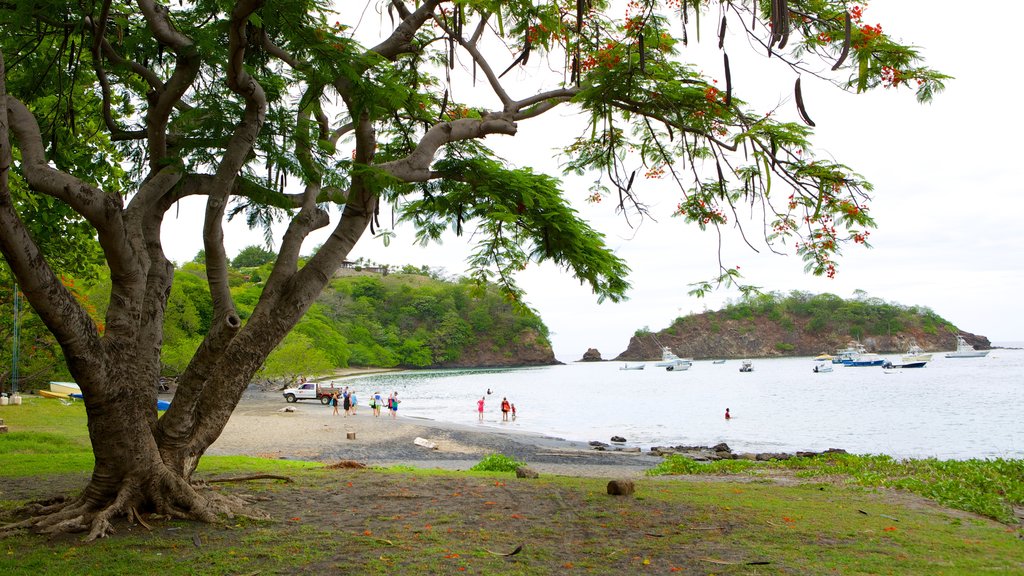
(621, 487)
(524, 472)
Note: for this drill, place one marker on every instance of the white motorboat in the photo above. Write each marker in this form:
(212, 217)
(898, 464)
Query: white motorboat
(965, 350)
(916, 354)
(671, 362)
(747, 366)
(633, 367)
(823, 367)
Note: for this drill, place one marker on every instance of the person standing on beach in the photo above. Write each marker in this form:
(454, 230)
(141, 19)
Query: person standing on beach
(394, 405)
(727, 415)
(334, 402)
(513, 412)
(505, 407)
(346, 401)
(480, 409)
(354, 402)
(376, 403)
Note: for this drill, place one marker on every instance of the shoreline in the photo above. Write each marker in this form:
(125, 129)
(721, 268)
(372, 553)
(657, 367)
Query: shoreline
(261, 426)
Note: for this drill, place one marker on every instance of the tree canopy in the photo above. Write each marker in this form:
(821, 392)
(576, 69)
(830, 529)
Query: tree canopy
(300, 111)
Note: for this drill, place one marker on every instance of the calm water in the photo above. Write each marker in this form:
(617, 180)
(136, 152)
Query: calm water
(951, 409)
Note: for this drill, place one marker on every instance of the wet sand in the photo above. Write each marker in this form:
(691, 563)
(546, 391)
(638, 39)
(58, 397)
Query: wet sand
(259, 427)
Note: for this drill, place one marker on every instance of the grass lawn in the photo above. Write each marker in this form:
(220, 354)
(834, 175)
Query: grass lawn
(765, 519)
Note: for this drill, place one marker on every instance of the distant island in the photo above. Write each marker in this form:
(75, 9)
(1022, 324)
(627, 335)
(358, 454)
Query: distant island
(799, 324)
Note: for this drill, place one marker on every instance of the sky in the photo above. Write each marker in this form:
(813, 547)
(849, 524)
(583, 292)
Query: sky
(948, 196)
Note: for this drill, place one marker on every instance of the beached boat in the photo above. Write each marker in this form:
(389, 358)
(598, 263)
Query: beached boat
(747, 366)
(633, 367)
(671, 362)
(965, 350)
(65, 388)
(52, 394)
(916, 354)
(823, 367)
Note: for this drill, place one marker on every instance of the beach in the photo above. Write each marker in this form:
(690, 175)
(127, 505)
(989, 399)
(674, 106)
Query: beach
(262, 426)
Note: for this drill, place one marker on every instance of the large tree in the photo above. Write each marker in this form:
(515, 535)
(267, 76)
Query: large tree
(112, 111)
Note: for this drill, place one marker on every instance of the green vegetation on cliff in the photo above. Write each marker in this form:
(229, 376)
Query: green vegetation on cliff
(410, 318)
(827, 313)
(799, 324)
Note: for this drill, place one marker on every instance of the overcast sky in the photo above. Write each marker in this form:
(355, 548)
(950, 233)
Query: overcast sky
(947, 200)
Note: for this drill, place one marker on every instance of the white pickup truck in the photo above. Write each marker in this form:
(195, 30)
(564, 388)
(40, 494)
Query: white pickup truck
(311, 391)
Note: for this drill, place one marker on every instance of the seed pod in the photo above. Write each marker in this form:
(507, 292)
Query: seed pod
(640, 47)
(721, 34)
(846, 45)
(631, 177)
(800, 104)
(728, 81)
(444, 104)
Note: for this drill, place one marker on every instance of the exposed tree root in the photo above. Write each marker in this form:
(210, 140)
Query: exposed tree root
(250, 477)
(164, 494)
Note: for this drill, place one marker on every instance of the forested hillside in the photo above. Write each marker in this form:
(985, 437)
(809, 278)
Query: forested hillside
(410, 318)
(799, 324)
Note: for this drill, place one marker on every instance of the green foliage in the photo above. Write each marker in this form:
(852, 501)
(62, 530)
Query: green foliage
(827, 312)
(409, 320)
(295, 356)
(987, 487)
(253, 256)
(497, 463)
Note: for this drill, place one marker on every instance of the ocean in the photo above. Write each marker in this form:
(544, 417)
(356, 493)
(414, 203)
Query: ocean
(950, 409)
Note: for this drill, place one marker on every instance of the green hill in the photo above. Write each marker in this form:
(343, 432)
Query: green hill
(799, 324)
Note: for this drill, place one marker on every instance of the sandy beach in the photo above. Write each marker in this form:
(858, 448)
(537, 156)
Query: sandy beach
(260, 427)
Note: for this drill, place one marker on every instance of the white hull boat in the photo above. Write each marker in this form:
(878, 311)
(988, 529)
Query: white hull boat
(916, 354)
(671, 362)
(965, 350)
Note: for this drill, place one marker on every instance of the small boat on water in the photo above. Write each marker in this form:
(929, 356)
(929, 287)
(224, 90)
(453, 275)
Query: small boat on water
(856, 355)
(633, 367)
(916, 354)
(719, 361)
(824, 358)
(823, 367)
(965, 350)
(671, 362)
(747, 366)
(888, 365)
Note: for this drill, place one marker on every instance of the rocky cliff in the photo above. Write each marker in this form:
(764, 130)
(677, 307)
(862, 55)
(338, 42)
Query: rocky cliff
(710, 335)
(528, 349)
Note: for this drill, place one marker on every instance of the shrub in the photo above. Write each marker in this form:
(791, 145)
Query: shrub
(497, 463)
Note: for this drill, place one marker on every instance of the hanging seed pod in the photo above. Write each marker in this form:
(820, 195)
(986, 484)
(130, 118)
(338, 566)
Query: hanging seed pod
(458, 221)
(671, 136)
(846, 45)
(629, 186)
(800, 104)
(579, 16)
(444, 105)
(728, 81)
(721, 34)
(643, 67)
